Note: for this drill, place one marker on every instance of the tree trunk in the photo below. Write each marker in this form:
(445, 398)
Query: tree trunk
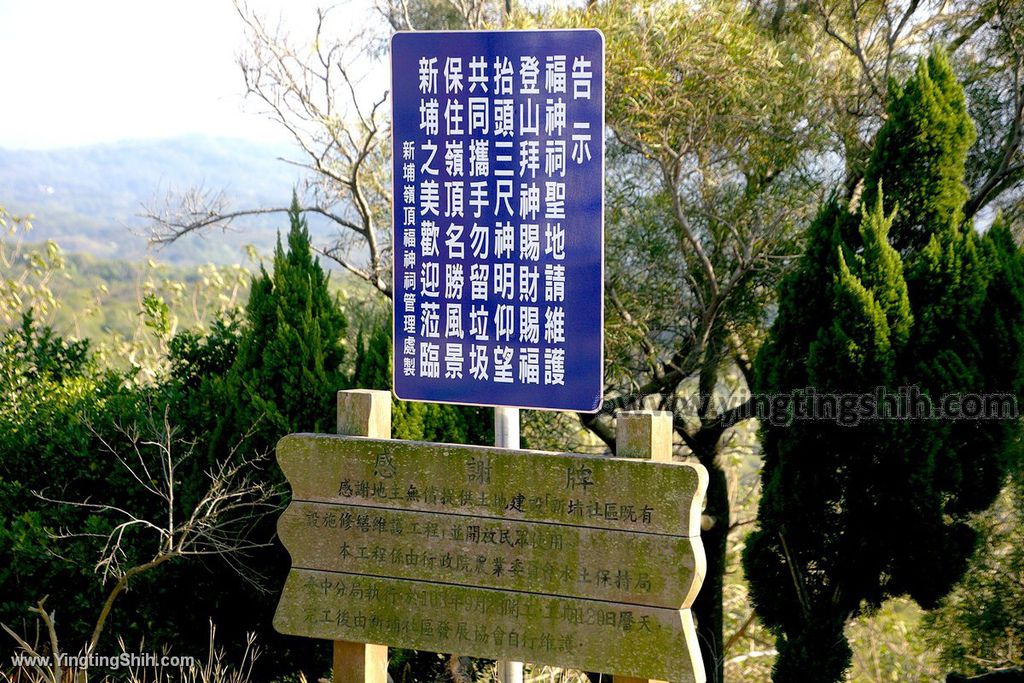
(707, 608)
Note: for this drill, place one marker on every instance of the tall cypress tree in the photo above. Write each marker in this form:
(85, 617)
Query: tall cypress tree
(289, 364)
(851, 515)
(817, 480)
(284, 378)
(920, 154)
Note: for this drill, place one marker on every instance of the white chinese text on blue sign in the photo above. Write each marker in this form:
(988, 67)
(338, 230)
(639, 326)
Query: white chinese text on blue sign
(498, 217)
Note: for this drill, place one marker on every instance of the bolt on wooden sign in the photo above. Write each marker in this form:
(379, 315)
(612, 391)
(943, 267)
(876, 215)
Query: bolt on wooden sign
(560, 559)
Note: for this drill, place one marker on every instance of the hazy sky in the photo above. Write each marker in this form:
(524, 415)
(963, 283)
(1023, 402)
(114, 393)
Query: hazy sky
(74, 72)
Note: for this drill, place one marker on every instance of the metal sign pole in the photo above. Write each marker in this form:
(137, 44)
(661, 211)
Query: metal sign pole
(506, 427)
(506, 435)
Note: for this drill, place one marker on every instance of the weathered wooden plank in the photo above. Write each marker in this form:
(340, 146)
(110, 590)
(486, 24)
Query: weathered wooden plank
(647, 434)
(609, 493)
(362, 412)
(621, 566)
(644, 642)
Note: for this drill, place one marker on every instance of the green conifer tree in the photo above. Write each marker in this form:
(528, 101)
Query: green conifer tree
(854, 513)
(289, 363)
(920, 154)
(816, 479)
(284, 378)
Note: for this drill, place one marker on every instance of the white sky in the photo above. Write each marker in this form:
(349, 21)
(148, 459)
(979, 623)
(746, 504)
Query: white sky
(74, 72)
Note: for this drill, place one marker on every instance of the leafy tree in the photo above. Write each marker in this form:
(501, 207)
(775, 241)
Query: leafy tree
(59, 411)
(709, 178)
(277, 373)
(194, 356)
(852, 515)
(978, 626)
(26, 273)
(874, 42)
(888, 645)
(96, 497)
(851, 348)
(920, 155)
(990, 60)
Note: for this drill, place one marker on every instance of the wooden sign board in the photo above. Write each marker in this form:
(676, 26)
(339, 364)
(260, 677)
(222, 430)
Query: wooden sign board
(561, 559)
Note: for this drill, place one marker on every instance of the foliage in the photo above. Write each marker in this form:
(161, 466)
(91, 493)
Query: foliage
(166, 302)
(129, 311)
(290, 360)
(875, 42)
(71, 433)
(64, 414)
(716, 121)
(26, 272)
(988, 39)
(57, 408)
(413, 420)
(920, 154)
(852, 515)
(749, 646)
(979, 626)
(440, 15)
(250, 381)
(709, 179)
(67, 403)
(888, 646)
(219, 379)
(193, 355)
(849, 350)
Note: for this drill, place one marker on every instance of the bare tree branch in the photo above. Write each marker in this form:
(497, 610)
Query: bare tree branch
(341, 143)
(220, 523)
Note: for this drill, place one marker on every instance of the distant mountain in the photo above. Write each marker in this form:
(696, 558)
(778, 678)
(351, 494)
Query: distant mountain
(88, 199)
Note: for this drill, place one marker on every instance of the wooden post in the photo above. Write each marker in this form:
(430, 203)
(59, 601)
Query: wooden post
(362, 412)
(643, 434)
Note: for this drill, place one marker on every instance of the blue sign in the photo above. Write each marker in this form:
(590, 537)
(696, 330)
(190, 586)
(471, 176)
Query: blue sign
(498, 170)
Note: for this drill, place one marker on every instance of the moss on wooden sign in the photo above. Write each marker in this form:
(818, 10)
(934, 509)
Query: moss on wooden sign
(552, 558)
